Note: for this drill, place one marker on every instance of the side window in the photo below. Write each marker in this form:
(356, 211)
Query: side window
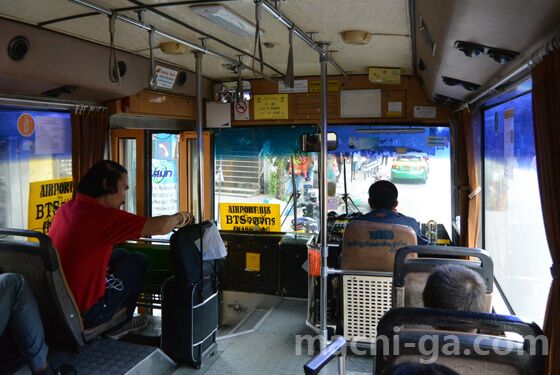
(35, 146)
(513, 225)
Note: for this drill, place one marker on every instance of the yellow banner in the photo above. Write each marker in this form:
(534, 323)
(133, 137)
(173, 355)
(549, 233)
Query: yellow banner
(44, 199)
(247, 217)
(332, 86)
(271, 107)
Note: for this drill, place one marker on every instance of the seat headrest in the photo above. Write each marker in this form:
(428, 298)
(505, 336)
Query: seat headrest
(371, 246)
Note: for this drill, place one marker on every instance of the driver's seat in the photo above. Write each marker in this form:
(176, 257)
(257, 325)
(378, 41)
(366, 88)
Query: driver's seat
(369, 246)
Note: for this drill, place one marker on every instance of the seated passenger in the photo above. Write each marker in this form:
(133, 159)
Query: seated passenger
(454, 287)
(383, 202)
(20, 326)
(85, 229)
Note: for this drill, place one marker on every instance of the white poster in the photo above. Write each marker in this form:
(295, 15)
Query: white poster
(51, 135)
(241, 111)
(165, 195)
(300, 85)
(425, 112)
(165, 77)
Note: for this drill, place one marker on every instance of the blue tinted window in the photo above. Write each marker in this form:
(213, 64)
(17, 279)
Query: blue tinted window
(38, 149)
(513, 227)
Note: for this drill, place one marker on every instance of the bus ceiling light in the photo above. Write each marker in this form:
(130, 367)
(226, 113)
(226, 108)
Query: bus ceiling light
(355, 37)
(226, 18)
(392, 130)
(173, 48)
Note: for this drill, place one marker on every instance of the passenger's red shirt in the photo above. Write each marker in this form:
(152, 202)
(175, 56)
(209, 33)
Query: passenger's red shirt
(84, 233)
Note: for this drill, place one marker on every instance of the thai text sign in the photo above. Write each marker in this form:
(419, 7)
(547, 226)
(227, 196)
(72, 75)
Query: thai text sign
(248, 217)
(378, 239)
(45, 197)
(271, 107)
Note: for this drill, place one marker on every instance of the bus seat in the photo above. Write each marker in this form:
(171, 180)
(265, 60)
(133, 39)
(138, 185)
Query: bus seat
(39, 264)
(369, 246)
(410, 274)
(521, 351)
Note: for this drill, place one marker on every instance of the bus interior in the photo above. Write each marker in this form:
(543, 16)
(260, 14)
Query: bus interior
(272, 119)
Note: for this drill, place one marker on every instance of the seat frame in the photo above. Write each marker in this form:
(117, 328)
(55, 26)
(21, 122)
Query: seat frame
(61, 317)
(527, 356)
(366, 297)
(429, 258)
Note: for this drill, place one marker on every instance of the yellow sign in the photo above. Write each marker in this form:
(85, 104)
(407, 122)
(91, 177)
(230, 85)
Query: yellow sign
(44, 199)
(250, 217)
(332, 86)
(271, 107)
(391, 76)
(253, 262)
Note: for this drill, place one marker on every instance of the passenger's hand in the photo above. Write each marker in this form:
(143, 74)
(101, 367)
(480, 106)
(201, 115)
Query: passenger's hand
(188, 219)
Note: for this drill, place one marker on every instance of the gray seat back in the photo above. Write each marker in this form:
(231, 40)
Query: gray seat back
(413, 265)
(39, 264)
(466, 353)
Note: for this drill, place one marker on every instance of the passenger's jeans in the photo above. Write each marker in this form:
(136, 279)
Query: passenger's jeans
(19, 317)
(130, 269)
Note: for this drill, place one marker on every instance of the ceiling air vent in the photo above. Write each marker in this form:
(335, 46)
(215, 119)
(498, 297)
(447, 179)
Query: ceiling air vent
(55, 93)
(427, 36)
(457, 82)
(446, 100)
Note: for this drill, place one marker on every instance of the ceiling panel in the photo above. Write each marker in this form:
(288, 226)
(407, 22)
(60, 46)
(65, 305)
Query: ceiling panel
(387, 20)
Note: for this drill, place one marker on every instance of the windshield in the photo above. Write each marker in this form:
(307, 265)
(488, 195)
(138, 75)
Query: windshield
(265, 166)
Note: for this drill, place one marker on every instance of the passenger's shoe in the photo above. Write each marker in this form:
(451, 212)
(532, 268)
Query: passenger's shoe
(136, 324)
(64, 370)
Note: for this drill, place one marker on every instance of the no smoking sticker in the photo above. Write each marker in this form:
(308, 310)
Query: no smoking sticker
(241, 111)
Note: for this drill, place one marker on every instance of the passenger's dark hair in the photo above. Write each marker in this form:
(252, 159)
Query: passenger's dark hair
(383, 194)
(92, 182)
(454, 287)
(414, 368)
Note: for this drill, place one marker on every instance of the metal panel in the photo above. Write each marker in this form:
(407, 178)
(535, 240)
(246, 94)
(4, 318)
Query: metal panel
(366, 299)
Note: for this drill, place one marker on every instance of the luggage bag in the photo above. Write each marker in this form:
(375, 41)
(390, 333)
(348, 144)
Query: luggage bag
(190, 300)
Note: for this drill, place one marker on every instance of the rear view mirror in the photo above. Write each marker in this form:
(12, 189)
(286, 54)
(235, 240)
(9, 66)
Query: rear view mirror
(311, 142)
(227, 92)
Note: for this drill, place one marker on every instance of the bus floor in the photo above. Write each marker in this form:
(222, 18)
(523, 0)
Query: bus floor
(279, 345)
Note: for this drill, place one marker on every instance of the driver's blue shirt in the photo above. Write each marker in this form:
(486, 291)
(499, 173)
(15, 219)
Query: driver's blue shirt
(391, 217)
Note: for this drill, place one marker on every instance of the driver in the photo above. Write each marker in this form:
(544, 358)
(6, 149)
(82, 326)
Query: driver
(383, 202)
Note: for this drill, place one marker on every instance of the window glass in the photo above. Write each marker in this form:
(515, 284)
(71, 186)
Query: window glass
(255, 166)
(417, 163)
(34, 146)
(514, 228)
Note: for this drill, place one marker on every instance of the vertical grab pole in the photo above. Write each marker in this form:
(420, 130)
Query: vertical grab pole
(199, 136)
(324, 59)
